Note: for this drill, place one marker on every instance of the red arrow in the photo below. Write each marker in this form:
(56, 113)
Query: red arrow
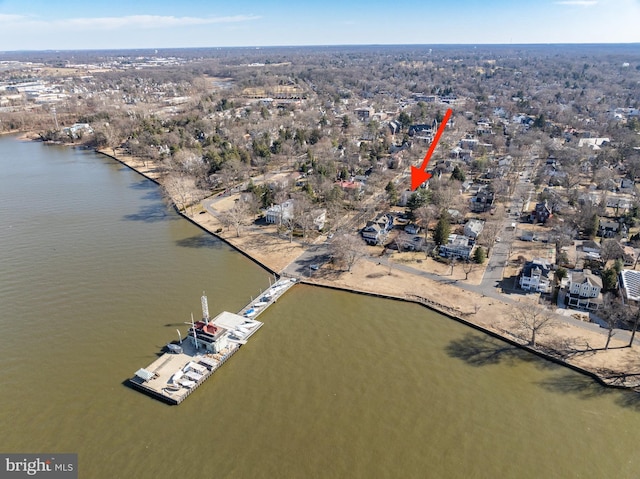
(420, 175)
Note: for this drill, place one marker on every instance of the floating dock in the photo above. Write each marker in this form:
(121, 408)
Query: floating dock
(210, 343)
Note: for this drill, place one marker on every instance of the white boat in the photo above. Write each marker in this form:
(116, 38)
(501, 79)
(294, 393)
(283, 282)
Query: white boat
(260, 304)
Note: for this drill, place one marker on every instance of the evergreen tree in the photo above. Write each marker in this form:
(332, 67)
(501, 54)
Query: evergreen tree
(609, 279)
(560, 274)
(416, 200)
(479, 255)
(404, 119)
(392, 193)
(442, 231)
(458, 174)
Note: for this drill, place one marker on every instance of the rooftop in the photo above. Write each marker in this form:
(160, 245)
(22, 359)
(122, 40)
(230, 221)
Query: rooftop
(630, 282)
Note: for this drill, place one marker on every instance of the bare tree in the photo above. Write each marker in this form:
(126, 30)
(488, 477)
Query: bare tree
(302, 215)
(533, 320)
(181, 190)
(611, 249)
(635, 317)
(489, 235)
(468, 267)
(347, 250)
(614, 313)
(424, 215)
(237, 216)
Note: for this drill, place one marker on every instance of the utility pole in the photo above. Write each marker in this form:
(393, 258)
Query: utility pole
(55, 117)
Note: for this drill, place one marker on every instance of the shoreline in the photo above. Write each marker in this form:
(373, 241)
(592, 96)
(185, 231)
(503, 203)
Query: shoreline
(605, 376)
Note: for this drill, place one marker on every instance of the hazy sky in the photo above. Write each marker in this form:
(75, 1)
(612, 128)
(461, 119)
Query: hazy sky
(97, 24)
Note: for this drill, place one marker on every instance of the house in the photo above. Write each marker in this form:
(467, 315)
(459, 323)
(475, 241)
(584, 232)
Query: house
(364, 114)
(469, 143)
(626, 184)
(610, 229)
(423, 132)
(466, 186)
(584, 290)
(458, 246)
(630, 255)
(593, 143)
(618, 202)
(408, 242)
(376, 231)
(461, 154)
(319, 218)
(535, 276)
(353, 186)
(541, 213)
(482, 201)
(424, 98)
(590, 246)
(412, 229)
(395, 127)
(528, 236)
(374, 234)
(483, 126)
(473, 228)
(78, 129)
(278, 214)
(629, 286)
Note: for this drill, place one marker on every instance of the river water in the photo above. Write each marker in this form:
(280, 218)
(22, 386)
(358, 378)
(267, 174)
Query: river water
(96, 275)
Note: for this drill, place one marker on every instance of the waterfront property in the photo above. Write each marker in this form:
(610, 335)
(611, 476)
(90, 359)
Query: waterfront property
(186, 365)
(584, 290)
(535, 276)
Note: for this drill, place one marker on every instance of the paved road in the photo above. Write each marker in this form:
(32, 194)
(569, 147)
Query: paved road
(302, 266)
(523, 194)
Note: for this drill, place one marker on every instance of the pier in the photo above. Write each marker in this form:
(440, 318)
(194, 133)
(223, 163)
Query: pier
(210, 343)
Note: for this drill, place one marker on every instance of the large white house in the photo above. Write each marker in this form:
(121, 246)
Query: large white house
(278, 214)
(458, 246)
(535, 276)
(584, 291)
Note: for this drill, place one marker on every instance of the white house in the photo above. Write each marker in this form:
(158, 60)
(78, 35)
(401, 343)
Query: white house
(593, 143)
(278, 214)
(473, 228)
(458, 246)
(584, 290)
(374, 234)
(535, 276)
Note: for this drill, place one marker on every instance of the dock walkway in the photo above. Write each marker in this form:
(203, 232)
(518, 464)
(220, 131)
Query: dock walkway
(176, 374)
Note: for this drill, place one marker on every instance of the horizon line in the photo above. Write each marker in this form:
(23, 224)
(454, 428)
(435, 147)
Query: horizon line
(258, 47)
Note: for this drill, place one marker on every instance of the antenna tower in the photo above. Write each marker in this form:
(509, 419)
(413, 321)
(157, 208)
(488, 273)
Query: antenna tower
(205, 308)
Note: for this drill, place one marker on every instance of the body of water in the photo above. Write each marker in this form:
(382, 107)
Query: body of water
(96, 275)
